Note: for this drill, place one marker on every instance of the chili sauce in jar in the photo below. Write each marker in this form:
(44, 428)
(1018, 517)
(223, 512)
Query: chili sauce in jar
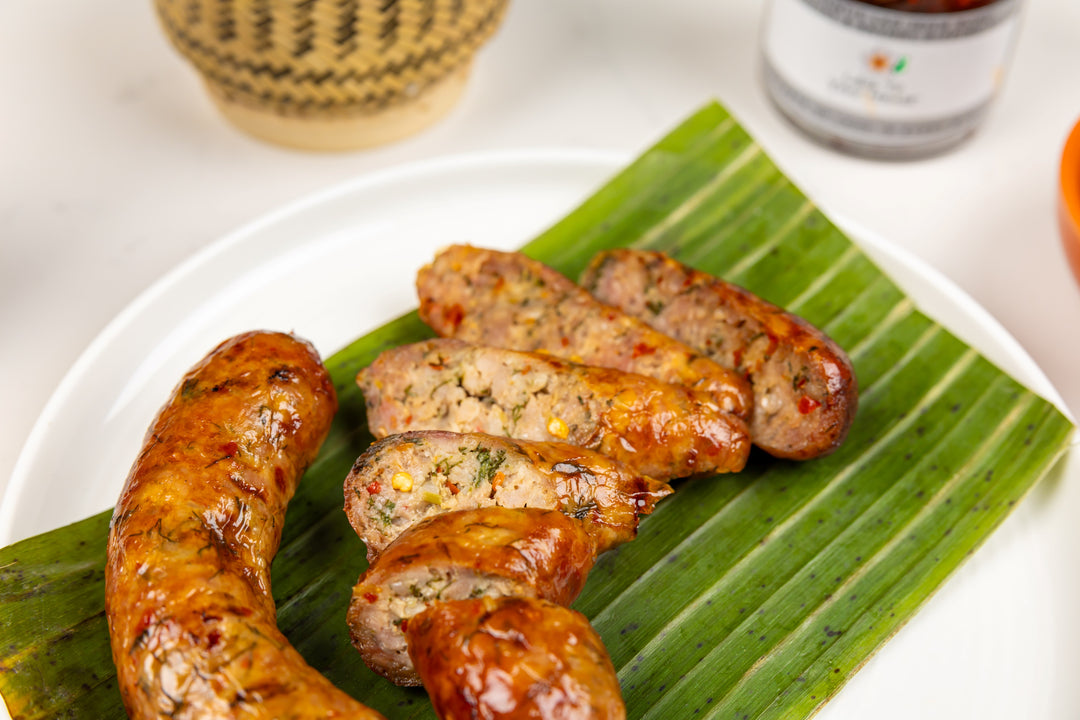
(887, 78)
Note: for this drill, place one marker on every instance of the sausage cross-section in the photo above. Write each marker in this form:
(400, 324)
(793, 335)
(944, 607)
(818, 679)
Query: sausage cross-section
(508, 300)
(662, 430)
(805, 391)
(191, 619)
(405, 478)
(484, 552)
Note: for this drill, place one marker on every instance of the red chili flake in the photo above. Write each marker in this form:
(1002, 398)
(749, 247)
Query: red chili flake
(808, 404)
(800, 381)
(643, 349)
(453, 314)
(454, 489)
(230, 449)
(371, 597)
(145, 622)
(404, 625)
(737, 357)
(373, 487)
(565, 341)
(213, 638)
(773, 344)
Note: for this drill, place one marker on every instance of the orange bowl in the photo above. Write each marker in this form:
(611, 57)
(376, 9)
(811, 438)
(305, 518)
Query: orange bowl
(1069, 199)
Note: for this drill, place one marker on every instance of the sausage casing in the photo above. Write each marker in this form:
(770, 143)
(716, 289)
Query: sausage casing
(484, 552)
(662, 430)
(191, 619)
(805, 390)
(503, 658)
(405, 478)
(509, 300)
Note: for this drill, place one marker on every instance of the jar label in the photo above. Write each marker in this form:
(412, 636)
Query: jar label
(876, 75)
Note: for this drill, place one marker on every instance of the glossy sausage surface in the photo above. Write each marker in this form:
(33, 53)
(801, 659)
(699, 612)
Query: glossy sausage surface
(805, 390)
(662, 430)
(513, 658)
(191, 619)
(508, 300)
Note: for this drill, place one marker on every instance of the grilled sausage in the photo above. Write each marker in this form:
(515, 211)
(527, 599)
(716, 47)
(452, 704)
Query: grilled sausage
(661, 430)
(484, 552)
(804, 386)
(513, 658)
(405, 478)
(508, 300)
(191, 618)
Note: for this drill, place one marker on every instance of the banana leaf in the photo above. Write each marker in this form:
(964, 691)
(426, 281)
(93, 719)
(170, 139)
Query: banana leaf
(757, 594)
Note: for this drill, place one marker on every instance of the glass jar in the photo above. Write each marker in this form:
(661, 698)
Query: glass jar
(887, 78)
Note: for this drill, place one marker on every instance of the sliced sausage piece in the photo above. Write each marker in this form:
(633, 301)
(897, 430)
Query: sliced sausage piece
(662, 430)
(405, 478)
(805, 391)
(508, 300)
(484, 552)
(503, 658)
(187, 587)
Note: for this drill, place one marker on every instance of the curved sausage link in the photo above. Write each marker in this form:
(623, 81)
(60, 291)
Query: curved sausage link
(502, 658)
(191, 618)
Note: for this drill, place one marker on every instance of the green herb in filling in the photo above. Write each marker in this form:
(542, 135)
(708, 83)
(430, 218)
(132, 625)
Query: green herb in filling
(443, 466)
(488, 464)
(384, 513)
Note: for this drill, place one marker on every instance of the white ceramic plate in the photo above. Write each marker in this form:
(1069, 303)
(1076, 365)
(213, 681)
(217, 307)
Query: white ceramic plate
(993, 644)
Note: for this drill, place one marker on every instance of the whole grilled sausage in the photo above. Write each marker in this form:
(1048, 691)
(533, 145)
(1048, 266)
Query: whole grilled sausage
(662, 430)
(509, 300)
(502, 658)
(805, 391)
(405, 478)
(191, 619)
(484, 552)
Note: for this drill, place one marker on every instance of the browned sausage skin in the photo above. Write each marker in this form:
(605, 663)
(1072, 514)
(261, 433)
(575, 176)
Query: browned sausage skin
(662, 430)
(513, 658)
(191, 618)
(509, 300)
(483, 552)
(405, 478)
(805, 391)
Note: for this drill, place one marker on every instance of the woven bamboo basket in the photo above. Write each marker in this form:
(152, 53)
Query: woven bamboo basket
(331, 74)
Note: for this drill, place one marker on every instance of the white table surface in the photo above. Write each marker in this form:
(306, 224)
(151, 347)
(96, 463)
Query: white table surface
(114, 166)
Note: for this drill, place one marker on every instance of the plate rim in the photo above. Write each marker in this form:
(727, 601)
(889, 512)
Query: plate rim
(604, 162)
(37, 437)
